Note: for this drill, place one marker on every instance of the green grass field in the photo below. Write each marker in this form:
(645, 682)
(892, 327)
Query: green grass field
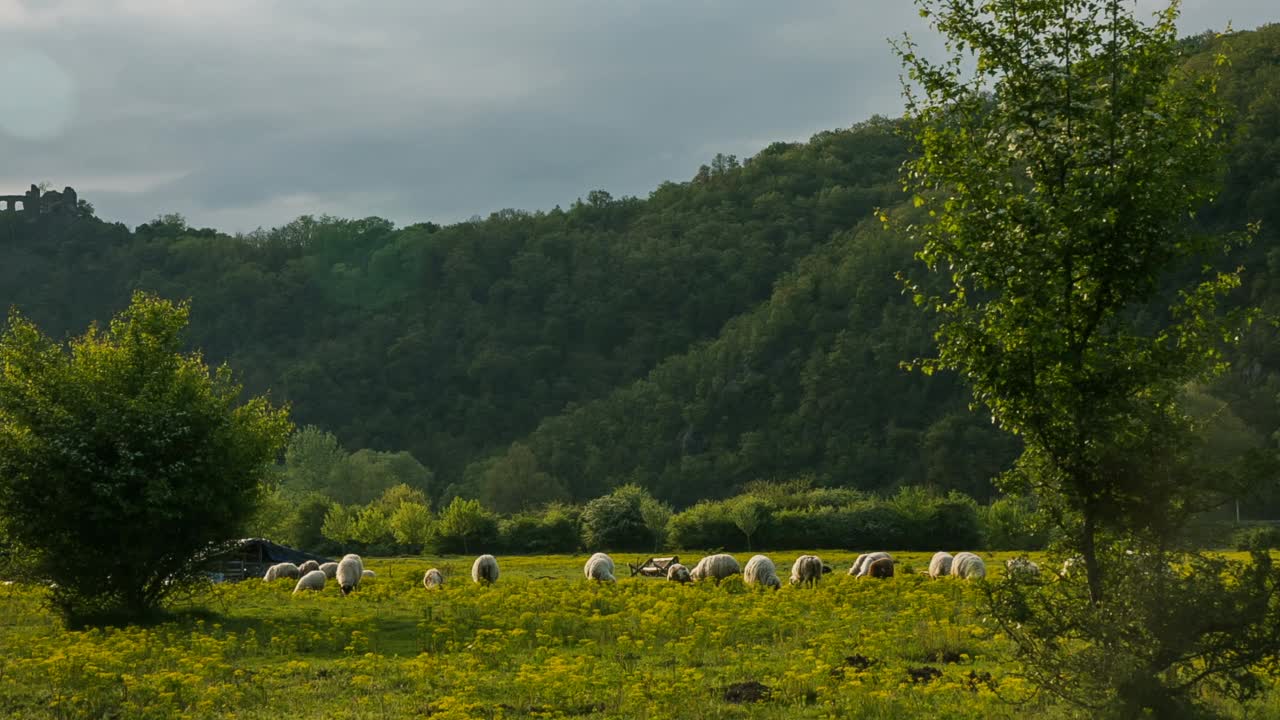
(543, 642)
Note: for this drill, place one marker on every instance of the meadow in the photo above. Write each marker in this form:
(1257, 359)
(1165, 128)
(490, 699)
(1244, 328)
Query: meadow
(541, 643)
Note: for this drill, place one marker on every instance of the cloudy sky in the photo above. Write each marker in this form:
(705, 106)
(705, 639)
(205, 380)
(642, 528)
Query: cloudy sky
(247, 113)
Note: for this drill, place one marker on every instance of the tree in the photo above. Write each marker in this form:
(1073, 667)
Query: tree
(310, 458)
(411, 524)
(748, 513)
(513, 482)
(616, 521)
(122, 458)
(1061, 152)
(465, 524)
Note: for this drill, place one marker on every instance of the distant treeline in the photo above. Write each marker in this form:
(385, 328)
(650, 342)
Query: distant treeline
(742, 326)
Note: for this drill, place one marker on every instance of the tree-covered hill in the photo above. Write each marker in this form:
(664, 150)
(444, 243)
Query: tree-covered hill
(745, 324)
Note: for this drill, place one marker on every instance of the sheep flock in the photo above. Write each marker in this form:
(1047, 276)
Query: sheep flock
(760, 571)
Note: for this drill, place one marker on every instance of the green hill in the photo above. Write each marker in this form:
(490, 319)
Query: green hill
(744, 324)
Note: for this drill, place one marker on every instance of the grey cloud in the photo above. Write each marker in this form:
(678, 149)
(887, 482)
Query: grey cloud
(240, 113)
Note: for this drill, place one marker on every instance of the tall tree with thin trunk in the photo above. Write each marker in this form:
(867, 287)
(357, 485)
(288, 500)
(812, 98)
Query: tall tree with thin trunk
(1062, 154)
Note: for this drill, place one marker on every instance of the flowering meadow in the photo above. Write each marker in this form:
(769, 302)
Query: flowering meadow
(541, 643)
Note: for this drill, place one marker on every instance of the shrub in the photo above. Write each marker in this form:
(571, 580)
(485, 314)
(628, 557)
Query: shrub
(1010, 524)
(705, 525)
(124, 460)
(1263, 537)
(616, 521)
(464, 526)
(554, 530)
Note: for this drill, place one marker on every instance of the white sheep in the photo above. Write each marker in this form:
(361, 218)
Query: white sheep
(678, 573)
(1021, 566)
(313, 580)
(806, 570)
(368, 574)
(350, 572)
(330, 570)
(716, 567)
(433, 579)
(308, 566)
(599, 567)
(760, 570)
(940, 565)
(862, 565)
(968, 566)
(485, 569)
(282, 570)
(879, 569)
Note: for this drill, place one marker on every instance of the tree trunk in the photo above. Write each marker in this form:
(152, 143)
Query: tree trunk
(1089, 551)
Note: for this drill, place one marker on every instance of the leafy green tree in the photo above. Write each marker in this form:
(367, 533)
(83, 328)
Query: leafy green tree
(463, 525)
(311, 456)
(616, 521)
(411, 524)
(122, 458)
(339, 524)
(748, 513)
(372, 527)
(513, 482)
(366, 474)
(1061, 152)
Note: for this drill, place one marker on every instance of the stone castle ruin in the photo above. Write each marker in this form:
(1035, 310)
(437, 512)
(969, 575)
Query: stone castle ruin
(37, 202)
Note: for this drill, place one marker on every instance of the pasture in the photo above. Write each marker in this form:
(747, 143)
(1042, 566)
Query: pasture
(543, 642)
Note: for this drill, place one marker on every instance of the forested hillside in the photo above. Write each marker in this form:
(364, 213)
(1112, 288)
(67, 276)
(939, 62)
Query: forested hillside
(742, 325)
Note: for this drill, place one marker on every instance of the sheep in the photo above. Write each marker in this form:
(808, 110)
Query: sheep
(368, 574)
(760, 570)
(350, 572)
(880, 569)
(1021, 566)
(308, 566)
(433, 579)
(282, 570)
(330, 570)
(313, 580)
(716, 567)
(485, 570)
(857, 564)
(599, 568)
(968, 566)
(677, 573)
(807, 570)
(940, 565)
(863, 563)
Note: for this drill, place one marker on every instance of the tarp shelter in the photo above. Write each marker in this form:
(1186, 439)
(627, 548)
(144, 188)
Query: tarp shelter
(250, 557)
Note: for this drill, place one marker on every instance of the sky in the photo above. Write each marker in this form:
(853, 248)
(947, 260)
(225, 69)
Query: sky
(241, 114)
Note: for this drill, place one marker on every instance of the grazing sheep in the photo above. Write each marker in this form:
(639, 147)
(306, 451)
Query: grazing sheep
(863, 563)
(308, 566)
(807, 570)
(313, 580)
(1021, 566)
(677, 573)
(485, 569)
(940, 565)
(330, 570)
(716, 567)
(282, 570)
(368, 574)
(760, 570)
(880, 569)
(599, 567)
(968, 566)
(350, 572)
(433, 579)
